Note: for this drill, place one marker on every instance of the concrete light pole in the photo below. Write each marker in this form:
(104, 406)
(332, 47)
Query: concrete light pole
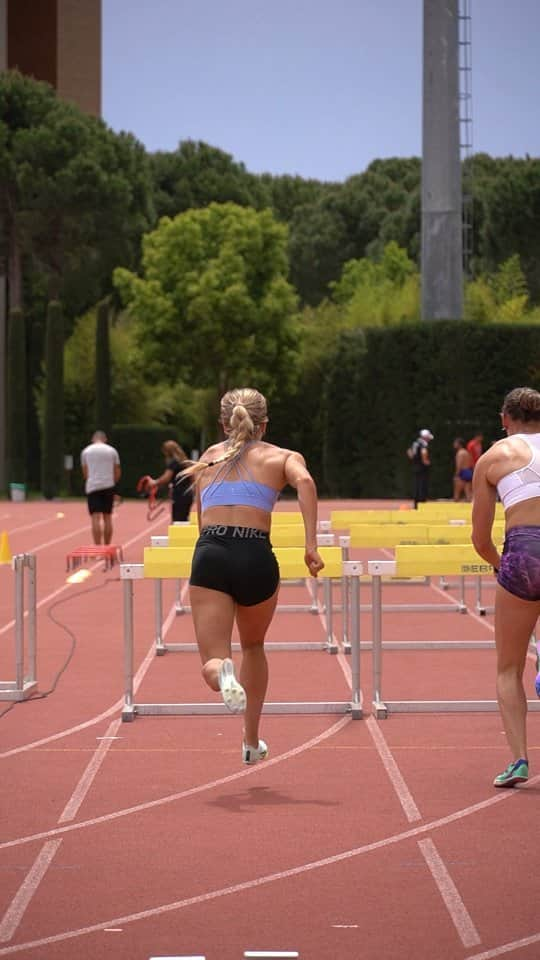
(442, 242)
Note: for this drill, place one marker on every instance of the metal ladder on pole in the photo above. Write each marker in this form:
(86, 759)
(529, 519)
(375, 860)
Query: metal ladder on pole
(466, 134)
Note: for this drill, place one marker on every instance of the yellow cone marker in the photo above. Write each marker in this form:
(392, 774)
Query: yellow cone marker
(5, 552)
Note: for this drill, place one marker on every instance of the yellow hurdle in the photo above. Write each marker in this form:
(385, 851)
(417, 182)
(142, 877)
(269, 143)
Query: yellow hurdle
(386, 534)
(286, 518)
(343, 519)
(439, 560)
(285, 535)
(453, 509)
(392, 534)
(427, 513)
(161, 563)
(182, 535)
(448, 533)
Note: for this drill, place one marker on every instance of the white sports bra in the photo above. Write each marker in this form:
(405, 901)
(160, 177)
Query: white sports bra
(522, 484)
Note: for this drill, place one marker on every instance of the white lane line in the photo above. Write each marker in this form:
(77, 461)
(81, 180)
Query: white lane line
(119, 703)
(50, 543)
(30, 526)
(67, 586)
(17, 908)
(506, 948)
(72, 807)
(273, 877)
(452, 900)
(404, 795)
(16, 911)
(183, 794)
(139, 677)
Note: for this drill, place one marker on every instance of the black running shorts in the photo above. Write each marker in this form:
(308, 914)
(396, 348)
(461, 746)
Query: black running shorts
(101, 501)
(236, 560)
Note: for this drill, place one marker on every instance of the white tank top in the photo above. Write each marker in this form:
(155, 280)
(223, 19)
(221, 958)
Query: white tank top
(522, 484)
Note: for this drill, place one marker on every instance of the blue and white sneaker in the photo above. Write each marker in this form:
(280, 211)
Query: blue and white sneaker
(516, 772)
(254, 754)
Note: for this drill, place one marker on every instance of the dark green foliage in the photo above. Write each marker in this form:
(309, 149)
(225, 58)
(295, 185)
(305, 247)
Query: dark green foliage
(52, 444)
(139, 448)
(386, 384)
(196, 174)
(103, 369)
(16, 396)
(507, 214)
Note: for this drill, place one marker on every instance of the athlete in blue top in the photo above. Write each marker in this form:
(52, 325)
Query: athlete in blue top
(511, 469)
(235, 575)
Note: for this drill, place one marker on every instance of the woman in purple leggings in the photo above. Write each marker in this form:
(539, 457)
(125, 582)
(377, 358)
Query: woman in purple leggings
(511, 468)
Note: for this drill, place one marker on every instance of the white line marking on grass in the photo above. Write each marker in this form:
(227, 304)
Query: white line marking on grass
(453, 902)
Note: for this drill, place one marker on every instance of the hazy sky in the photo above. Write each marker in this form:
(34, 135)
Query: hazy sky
(317, 88)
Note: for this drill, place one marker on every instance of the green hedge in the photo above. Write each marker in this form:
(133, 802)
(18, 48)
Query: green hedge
(383, 385)
(139, 448)
(17, 392)
(52, 445)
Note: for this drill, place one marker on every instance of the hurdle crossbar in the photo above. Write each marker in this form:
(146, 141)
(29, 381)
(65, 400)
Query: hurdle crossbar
(130, 572)
(442, 560)
(164, 560)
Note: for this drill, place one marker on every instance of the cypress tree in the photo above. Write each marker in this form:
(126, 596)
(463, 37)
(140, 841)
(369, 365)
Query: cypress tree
(52, 456)
(103, 369)
(16, 396)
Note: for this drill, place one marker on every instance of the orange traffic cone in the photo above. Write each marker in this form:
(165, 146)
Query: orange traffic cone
(5, 552)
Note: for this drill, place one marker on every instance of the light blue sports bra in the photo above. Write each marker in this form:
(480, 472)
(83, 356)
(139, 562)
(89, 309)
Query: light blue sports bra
(244, 491)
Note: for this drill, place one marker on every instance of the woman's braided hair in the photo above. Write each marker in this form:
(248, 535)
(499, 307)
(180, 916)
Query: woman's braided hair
(243, 411)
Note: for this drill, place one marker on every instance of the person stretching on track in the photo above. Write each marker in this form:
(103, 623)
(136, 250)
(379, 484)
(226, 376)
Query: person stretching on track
(235, 574)
(511, 468)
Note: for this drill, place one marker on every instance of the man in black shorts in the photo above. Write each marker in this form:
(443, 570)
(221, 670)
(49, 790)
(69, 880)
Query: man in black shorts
(100, 465)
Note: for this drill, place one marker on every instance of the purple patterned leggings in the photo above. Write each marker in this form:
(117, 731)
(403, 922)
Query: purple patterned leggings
(519, 571)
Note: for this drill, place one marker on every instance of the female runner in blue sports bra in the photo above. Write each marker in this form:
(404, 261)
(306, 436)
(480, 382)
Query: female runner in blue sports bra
(234, 574)
(511, 468)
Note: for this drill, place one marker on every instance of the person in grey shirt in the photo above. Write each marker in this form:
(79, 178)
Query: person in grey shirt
(101, 470)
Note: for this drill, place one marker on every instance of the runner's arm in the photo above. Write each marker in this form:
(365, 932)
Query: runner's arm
(483, 512)
(298, 476)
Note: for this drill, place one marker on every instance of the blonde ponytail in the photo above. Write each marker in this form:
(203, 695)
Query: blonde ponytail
(242, 413)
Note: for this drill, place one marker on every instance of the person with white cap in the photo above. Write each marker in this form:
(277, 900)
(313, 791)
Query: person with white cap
(421, 464)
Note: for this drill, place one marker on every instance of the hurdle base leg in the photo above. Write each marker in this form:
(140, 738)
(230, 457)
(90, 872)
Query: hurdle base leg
(10, 691)
(129, 713)
(380, 710)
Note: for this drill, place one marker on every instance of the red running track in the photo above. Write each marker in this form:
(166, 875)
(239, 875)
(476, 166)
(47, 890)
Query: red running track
(365, 840)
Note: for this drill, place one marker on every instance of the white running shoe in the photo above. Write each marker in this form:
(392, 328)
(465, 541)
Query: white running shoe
(233, 693)
(254, 754)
